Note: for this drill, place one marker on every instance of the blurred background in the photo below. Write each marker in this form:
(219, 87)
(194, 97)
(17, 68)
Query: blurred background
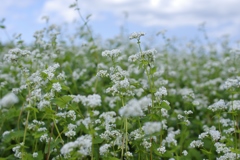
(185, 19)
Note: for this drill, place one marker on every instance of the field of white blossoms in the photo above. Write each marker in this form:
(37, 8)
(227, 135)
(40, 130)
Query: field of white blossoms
(118, 99)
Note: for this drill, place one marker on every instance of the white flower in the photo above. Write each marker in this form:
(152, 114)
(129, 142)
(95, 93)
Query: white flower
(111, 53)
(136, 35)
(197, 143)
(35, 154)
(56, 87)
(215, 135)
(83, 145)
(185, 153)
(131, 109)
(104, 149)
(161, 92)
(217, 106)
(91, 101)
(161, 150)
(151, 127)
(146, 144)
(8, 100)
(234, 105)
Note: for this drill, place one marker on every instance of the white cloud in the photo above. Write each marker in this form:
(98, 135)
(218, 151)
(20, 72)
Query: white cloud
(170, 13)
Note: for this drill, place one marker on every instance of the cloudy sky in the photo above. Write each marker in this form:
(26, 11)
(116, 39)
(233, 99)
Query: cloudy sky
(179, 17)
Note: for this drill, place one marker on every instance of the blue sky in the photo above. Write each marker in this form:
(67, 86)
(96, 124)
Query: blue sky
(180, 18)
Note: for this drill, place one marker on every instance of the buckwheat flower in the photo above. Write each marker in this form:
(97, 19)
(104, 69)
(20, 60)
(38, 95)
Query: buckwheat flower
(218, 106)
(56, 87)
(161, 92)
(203, 135)
(104, 149)
(226, 122)
(42, 104)
(124, 83)
(85, 122)
(185, 153)
(136, 35)
(221, 148)
(234, 105)
(151, 127)
(170, 139)
(71, 114)
(17, 152)
(128, 154)
(164, 112)
(146, 144)
(35, 155)
(187, 122)
(215, 135)
(91, 101)
(102, 73)
(161, 150)
(136, 134)
(8, 100)
(61, 76)
(133, 58)
(145, 103)
(187, 93)
(44, 137)
(229, 130)
(70, 134)
(83, 146)
(71, 126)
(6, 133)
(196, 143)
(109, 118)
(188, 112)
(111, 53)
(148, 55)
(131, 109)
(42, 129)
(230, 83)
(179, 116)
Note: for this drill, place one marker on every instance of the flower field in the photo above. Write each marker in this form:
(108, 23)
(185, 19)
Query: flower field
(118, 99)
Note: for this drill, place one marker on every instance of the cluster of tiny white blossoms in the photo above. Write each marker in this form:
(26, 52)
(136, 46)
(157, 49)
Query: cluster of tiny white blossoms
(136, 35)
(131, 109)
(8, 100)
(111, 53)
(14, 54)
(82, 145)
(91, 101)
(50, 71)
(148, 55)
(234, 105)
(151, 127)
(218, 106)
(71, 130)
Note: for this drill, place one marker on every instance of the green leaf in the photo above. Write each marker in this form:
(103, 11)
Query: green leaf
(153, 70)
(206, 152)
(31, 109)
(53, 144)
(62, 101)
(64, 87)
(235, 150)
(2, 26)
(13, 135)
(97, 140)
(165, 105)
